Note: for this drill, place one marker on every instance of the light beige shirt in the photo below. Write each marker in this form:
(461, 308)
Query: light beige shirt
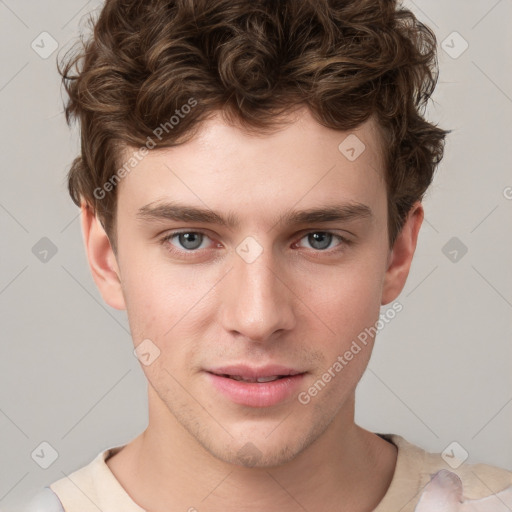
(94, 487)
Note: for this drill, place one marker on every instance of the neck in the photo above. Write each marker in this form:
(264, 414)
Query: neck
(166, 469)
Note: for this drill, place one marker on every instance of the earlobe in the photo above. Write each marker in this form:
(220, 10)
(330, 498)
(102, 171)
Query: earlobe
(400, 257)
(102, 260)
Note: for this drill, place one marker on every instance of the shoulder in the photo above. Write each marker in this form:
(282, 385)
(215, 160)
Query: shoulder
(44, 501)
(93, 487)
(79, 489)
(443, 476)
(478, 480)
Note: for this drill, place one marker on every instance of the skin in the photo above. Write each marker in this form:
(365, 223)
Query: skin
(296, 305)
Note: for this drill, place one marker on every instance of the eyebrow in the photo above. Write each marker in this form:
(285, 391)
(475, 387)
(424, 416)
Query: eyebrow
(171, 210)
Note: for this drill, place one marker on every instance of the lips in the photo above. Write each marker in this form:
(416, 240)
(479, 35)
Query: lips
(256, 387)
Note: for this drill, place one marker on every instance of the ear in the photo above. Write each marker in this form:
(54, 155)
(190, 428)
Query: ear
(400, 257)
(102, 260)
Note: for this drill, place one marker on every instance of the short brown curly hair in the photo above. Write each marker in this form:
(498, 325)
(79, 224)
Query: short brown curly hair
(253, 60)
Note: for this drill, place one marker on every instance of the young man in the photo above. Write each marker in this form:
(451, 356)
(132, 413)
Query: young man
(250, 181)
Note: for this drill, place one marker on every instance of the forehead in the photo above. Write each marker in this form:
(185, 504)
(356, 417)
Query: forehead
(302, 164)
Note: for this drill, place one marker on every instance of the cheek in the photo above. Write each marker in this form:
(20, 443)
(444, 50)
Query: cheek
(349, 305)
(166, 307)
(166, 302)
(346, 298)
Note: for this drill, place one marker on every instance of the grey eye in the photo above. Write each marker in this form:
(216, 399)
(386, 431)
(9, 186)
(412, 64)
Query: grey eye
(320, 240)
(190, 240)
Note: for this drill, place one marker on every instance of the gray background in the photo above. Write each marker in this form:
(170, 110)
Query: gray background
(441, 370)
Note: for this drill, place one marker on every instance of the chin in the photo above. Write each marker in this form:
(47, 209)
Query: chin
(257, 455)
(261, 449)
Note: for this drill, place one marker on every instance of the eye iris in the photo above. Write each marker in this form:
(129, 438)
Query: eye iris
(322, 239)
(190, 240)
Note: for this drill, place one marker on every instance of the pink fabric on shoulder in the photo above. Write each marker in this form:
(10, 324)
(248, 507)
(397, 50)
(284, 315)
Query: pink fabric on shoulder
(444, 493)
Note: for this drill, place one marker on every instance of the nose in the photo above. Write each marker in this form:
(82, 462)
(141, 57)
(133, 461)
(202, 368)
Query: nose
(257, 302)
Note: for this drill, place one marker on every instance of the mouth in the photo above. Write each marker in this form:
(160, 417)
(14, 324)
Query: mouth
(246, 373)
(252, 379)
(256, 387)
(259, 380)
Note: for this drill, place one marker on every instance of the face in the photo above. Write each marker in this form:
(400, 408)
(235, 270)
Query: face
(255, 258)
